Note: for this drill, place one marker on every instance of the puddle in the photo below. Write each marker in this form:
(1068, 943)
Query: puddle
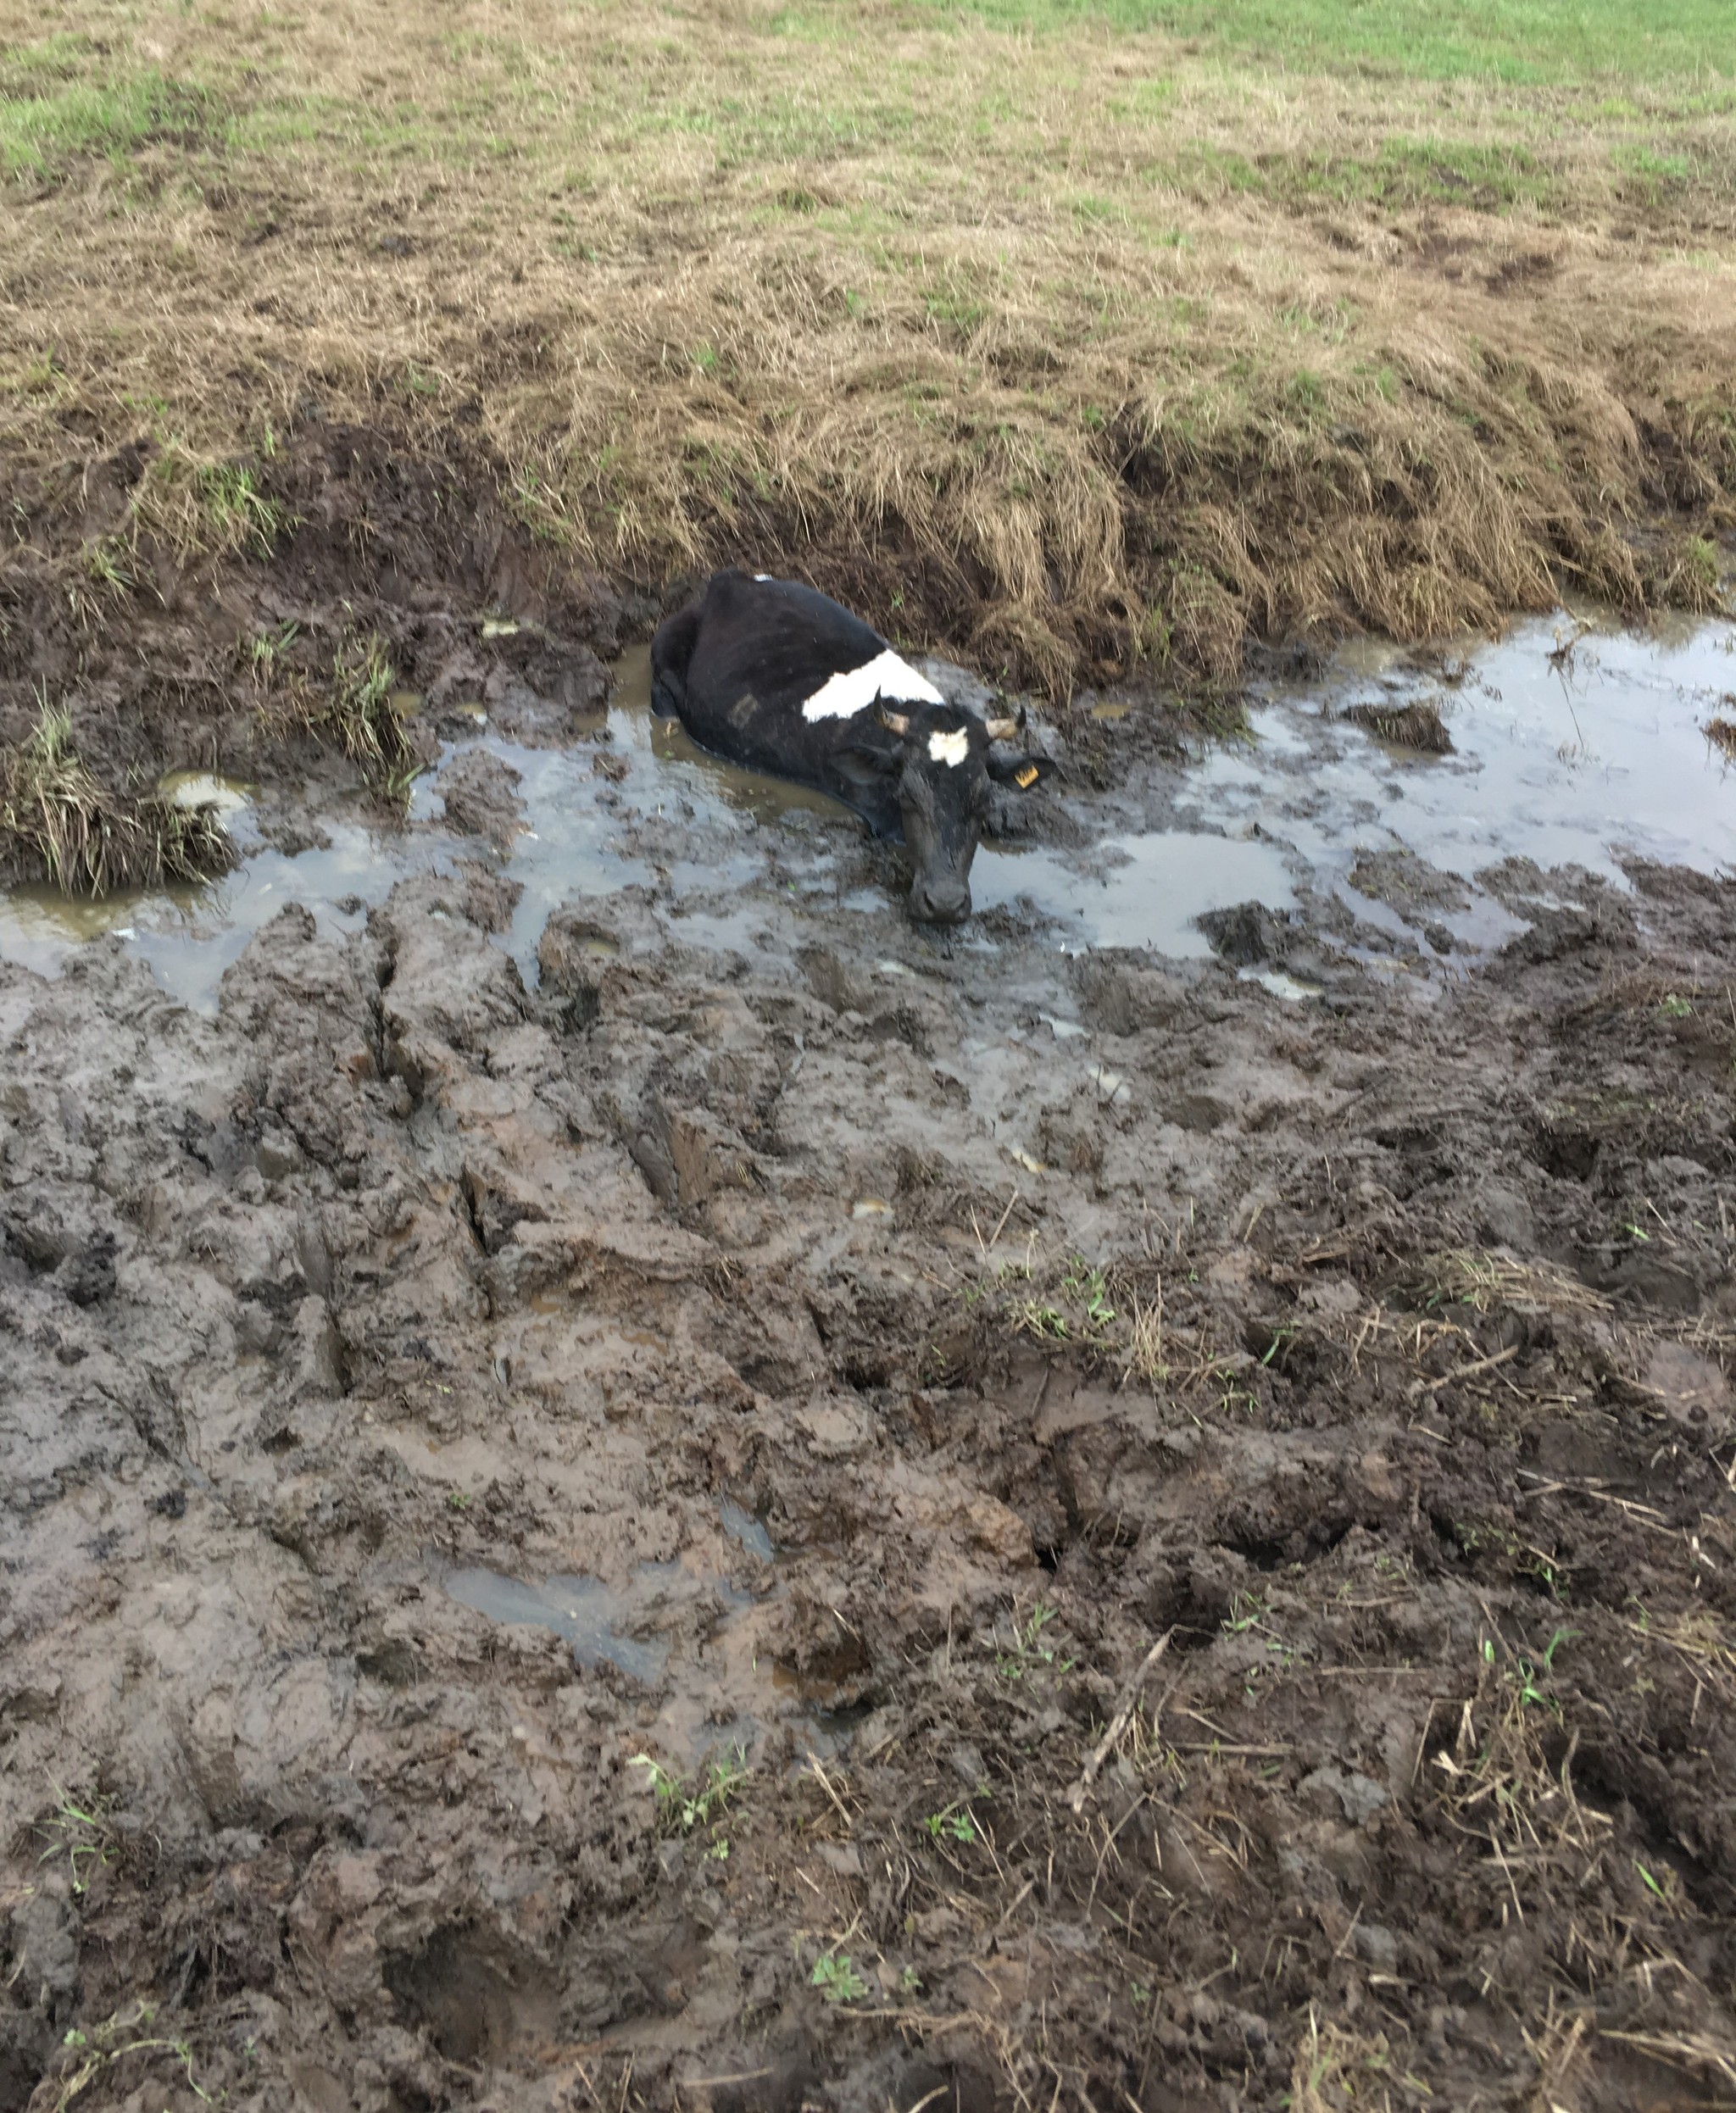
(1565, 757)
(603, 1626)
(1150, 892)
(742, 1526)
(1569, 753)
(1280, 984)
(767, 799)
(731, 1691)
(204, 788)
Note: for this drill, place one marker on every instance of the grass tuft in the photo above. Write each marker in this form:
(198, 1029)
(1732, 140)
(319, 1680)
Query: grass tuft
(206, 508)
(1338, 2070)
(78, 1829)
(1493, 1280)
(118, 2043)
(48, 123)
(358, 714)
(57, 824)
(1418, 726)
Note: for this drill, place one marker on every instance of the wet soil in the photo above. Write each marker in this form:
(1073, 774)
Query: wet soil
(1171, 1540)
(228, 663)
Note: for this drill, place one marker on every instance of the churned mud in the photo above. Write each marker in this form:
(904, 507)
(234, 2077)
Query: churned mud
(630, 1482)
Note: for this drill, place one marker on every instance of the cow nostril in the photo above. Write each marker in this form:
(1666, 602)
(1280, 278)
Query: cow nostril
(941, 905)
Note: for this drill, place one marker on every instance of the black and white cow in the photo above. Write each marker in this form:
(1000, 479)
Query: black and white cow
(776, 676)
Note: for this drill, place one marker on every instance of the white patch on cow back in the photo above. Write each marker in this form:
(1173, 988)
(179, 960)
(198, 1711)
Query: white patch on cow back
(950, 749)
(842, 696)
(762, 577)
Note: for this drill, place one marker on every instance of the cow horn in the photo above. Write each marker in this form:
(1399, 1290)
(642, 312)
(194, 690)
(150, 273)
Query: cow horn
(1001, 729)
(894, 722)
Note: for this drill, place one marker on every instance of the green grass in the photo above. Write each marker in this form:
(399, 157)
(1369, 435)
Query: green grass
(682, 1808)
(53, 113)
(1516, 41)
(1405, 171)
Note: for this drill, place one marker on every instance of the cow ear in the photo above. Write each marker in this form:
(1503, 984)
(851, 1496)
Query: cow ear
(864, 766)
(1022, 771)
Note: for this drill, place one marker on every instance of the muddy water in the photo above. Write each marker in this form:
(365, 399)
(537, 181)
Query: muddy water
(869, 1344)
(1151, 890)
(582, 1609)
(1573, 746)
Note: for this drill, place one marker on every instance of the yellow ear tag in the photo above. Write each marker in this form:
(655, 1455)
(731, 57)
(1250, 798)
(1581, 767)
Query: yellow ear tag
(1027, 777)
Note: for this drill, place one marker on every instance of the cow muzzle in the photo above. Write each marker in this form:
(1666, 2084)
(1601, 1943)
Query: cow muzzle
(940, 899)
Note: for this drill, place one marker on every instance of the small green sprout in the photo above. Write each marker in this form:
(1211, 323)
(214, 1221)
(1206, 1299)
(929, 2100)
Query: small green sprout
(78, 1829)
(1028, 1652)
(1088, 1288)
(1042, 1321)
(681, 1810)
(836, 1977)
(952, 1824)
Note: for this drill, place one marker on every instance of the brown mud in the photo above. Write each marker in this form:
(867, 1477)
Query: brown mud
(249, 663)
(768, 1330)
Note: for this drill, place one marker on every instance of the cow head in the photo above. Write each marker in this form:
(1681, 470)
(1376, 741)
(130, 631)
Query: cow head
(937, 761)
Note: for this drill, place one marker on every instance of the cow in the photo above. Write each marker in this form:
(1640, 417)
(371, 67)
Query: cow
(779, 677)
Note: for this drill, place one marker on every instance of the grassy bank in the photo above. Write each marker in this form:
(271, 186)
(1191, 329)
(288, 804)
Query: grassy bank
(1074, 338)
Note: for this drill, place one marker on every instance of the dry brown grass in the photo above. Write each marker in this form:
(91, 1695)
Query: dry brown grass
(1488, 1280)
(1506, 1780)
(1030, 360)
(1338, 2070)
(57, 824)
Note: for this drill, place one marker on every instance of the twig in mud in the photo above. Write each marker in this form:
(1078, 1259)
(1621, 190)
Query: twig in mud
(1236, 1752)
(1371, 1326)
(1145, 1341)
(1547, 1486)
(1432, 1380)
(735, 2076)
(928, 2098)
(1482, 1364)
(826, 1784)
(984, 1248)
(1118, 1723)
(1558, 2050)
(1691, 2052)
(1111, 1835)
(1018, 1901)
